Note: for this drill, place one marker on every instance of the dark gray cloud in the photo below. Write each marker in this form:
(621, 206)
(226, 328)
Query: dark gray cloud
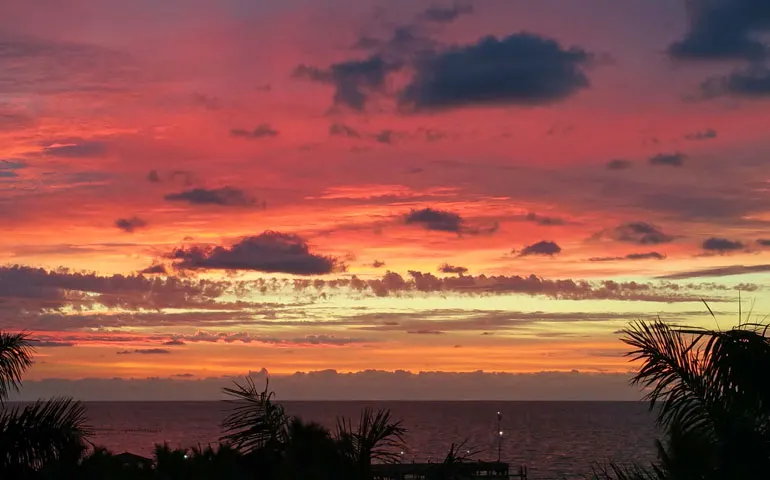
(174, 343)
(447, 268)
(522, 68)
(763, 242)
(353, 80)
(438, 14)
(667, 159)
(385, 136)
(378, 264)
(619, 164)
(155, 269)
(543, 247)
(707, 134)
(753, 82)
(224, 196)
(630, 256)
(130, 225)
(153, 176)
(267, 252)
(543, 220)
(723, 30)
(262, 131)
(342, 130)
(439, 220)
(721, 245)
(717, 272)
(26, 290)
(50, 344)
(641, 233)
(9, 168)
(425, 332)
(146, 351)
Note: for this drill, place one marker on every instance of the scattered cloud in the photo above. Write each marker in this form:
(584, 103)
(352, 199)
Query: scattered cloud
(717, 272)
(378, 264)
(154, 269)
(630, 256)
(641, 233)
(753, 82)
(263, 130)
(9, 168)
(445, 221)
(542, 247)
(224, 196)
(446, 268)
(76, 149)
(354, 80)
(130, 225)
(425, 332)
(439, 14)
(385, 136)
(724, 30)
(146, 351)
(522, 68)
(619, 164)
(153, 176)
(342, 130)
(245, 337)
(543, 220)
(50, 344)
(439, 220)
(667, 159)
(707, 134)
(267, 252)
(721, 245)
(763, 242)
(174, 343)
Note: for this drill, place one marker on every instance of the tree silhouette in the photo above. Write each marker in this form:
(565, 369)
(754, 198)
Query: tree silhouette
(711, 395)
(46, 432)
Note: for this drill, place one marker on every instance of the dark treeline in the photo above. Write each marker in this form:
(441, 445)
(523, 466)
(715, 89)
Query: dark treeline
(709, 389)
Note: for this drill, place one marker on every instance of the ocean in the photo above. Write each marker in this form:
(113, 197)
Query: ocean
(554, 440)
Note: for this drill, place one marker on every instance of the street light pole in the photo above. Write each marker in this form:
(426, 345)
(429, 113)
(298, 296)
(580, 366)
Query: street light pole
(499, 436)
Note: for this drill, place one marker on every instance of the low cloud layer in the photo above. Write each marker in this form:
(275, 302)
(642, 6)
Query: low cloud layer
(368, 385)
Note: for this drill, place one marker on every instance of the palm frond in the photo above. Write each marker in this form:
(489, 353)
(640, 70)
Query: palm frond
(256, 422)
(42, 432)
(672, 371)
(376, 437)
(15, 357)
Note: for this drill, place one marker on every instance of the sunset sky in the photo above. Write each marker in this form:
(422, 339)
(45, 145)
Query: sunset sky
(192, 190)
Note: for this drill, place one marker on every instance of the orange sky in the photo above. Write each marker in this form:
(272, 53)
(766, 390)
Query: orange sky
(203, 189)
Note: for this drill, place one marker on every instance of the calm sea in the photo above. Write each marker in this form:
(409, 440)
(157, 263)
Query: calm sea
(554, 439)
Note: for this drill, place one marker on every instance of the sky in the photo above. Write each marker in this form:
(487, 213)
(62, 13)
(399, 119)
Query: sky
(376, 199)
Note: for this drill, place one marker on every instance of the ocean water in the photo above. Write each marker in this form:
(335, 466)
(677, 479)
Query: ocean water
(553, 439)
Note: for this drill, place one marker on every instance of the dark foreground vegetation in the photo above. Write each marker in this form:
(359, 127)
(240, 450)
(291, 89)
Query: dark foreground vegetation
(710, 390)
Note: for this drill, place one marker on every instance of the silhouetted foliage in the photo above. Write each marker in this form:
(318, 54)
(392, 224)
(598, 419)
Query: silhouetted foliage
(711, 395)
(43, 434)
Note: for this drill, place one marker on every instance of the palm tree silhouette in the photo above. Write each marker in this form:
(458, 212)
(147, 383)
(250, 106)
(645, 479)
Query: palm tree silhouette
(40, 435)
(711, 395)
